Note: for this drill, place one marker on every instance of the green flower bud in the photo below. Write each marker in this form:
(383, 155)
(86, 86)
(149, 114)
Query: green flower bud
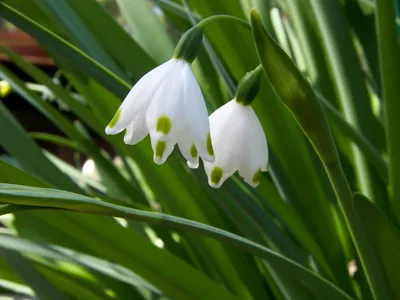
(248, 86)
(189, 45)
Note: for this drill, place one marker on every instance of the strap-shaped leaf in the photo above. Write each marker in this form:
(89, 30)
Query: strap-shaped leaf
(385, 238)
(42, 197)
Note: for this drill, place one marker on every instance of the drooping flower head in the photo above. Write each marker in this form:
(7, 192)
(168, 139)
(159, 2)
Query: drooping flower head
(238, 137)
(167, 103)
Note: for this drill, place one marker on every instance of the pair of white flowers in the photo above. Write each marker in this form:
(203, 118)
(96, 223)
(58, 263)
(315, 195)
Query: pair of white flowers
(167, 103)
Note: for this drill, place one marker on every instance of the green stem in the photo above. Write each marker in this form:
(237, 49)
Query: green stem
(390, 64)
(211, 19)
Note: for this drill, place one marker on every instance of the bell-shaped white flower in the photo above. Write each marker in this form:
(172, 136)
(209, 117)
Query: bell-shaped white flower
(239, 145)
(167, 103)
(238, 137)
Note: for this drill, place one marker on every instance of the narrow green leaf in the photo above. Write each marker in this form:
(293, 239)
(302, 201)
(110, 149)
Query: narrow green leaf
(117, 42)
(60, 46)
(363, 24)
(34, 279)
(385, 238)
(55, 139)
(368, 149)
(17, 194)
(33, 11)
(176, 9)
(389, 59)
(81, 110)
(11, 174)
(124, 246)
(70, 286)
(77, 176)
(73, 27)
(55, 253)
(345, 70)
(12, 289)
(146, 28)
(118, 186)
(297, 95)
(17, 143)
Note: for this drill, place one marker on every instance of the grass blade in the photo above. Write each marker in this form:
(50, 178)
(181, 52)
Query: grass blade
(384, 236)
(67, 50)
(390, 64)
(146, 28)
(40, 197)
(15, 140)
(42, 287)
(350, 87)
(296, 93)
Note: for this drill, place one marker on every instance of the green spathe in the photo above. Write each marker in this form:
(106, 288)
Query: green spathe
(189, 45)
(249, 86)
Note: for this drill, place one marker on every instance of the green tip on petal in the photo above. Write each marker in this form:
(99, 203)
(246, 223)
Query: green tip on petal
(216, 175)
(160, 148)
(193, 151)
(210, 149)
(163, 124)
(257, 176)
(114, 119)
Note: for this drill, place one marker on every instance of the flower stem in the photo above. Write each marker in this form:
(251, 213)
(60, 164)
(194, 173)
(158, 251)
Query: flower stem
(211, 19)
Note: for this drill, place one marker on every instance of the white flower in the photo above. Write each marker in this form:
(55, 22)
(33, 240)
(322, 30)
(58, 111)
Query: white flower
(167, 103)
(239, 144)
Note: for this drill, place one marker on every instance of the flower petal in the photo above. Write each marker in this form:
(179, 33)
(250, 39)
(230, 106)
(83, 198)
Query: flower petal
(188, 148)
(139, 97)
(197, 115)
(255, 153)
(161, 149)
(136, 131)
(164, 117)
(227, 125)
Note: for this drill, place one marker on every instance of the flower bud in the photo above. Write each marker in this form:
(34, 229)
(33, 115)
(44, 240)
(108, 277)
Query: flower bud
(189, 45)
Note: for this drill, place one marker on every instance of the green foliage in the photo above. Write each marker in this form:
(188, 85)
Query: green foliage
(136, 230)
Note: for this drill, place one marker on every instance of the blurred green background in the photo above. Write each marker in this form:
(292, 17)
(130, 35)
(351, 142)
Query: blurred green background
(85, 216)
